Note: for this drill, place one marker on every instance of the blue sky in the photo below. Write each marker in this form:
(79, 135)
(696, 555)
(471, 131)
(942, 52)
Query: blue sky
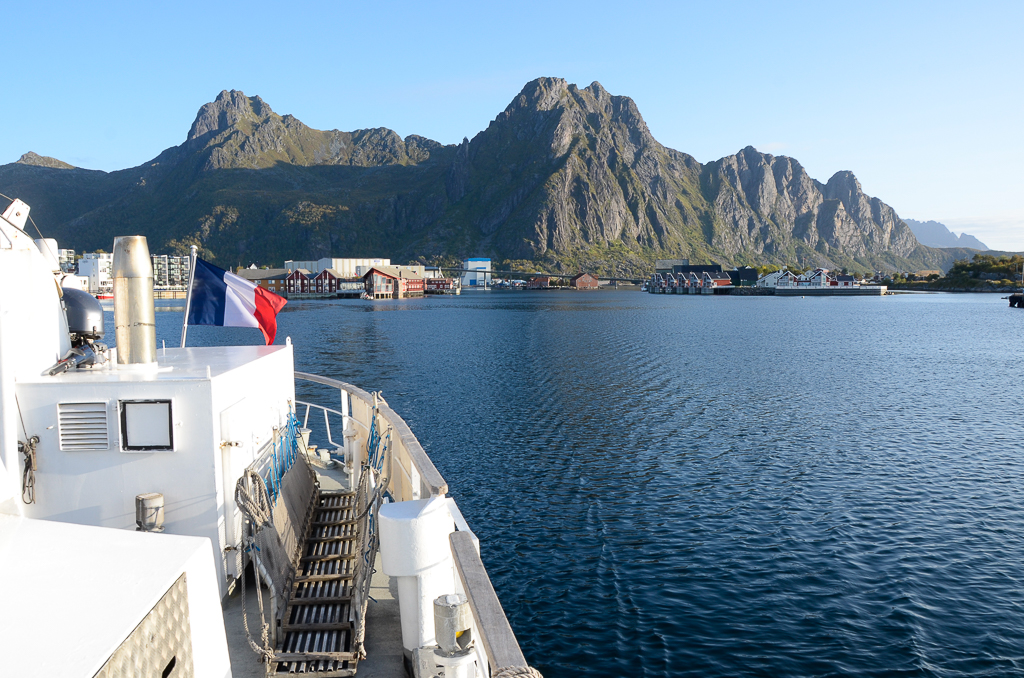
(923, 101)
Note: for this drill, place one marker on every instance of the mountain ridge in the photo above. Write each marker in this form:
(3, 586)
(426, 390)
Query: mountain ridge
(935, 234)
(565, 176)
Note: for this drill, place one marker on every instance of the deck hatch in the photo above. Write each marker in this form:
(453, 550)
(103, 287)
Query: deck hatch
(83, 426)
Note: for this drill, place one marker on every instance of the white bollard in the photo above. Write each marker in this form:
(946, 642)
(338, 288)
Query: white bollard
(414, 548)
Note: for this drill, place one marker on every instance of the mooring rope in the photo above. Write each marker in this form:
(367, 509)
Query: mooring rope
(517, 672)
(254, 503)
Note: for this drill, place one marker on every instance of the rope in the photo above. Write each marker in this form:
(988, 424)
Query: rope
(516, 671)
(28, 479)
(253, 501)
(256, 508)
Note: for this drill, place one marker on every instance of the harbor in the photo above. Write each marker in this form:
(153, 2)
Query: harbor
(679, 277)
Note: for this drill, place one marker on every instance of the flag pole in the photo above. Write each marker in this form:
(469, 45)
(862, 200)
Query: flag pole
(188, 294)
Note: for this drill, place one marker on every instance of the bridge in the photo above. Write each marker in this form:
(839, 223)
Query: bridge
(525, 274)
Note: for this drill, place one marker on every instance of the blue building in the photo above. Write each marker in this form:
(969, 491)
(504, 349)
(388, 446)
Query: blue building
(476, 272)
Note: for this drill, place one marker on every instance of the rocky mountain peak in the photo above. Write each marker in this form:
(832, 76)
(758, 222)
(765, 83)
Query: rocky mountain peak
(37, 160)
(226, 111)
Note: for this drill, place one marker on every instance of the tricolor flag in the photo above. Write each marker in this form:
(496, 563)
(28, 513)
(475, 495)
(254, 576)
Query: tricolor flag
(225, 299)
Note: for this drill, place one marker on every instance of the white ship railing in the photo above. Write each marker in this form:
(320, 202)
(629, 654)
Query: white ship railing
(415, 477)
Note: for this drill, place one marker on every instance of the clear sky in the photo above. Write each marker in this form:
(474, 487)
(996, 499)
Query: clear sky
(923, 101)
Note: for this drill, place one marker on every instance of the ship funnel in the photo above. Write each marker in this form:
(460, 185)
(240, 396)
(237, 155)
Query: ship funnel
(134, 315)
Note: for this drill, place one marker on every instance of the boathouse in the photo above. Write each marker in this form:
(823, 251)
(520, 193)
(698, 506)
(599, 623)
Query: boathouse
(715, 282)
(541, 282)
(584, 281)
(297, 282)
(441, 285)
(392, 282)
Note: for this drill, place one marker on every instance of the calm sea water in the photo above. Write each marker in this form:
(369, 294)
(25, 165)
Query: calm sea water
(725, 486)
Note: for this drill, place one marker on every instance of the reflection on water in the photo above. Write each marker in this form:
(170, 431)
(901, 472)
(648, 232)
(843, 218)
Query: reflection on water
(716, 486)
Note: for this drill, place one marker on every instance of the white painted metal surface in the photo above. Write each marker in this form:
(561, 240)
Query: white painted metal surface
(224, 405)
(72, 594)
(414, 547)
(33, 336)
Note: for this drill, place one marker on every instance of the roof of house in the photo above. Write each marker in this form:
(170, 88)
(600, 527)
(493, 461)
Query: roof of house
(580, 275)
(394, 272)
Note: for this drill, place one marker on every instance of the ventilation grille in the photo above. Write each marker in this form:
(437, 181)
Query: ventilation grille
(83, 426)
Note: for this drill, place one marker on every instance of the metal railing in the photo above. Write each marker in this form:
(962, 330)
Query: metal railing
(413, 475)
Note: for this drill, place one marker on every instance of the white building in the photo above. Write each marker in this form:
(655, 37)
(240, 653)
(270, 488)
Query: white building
(772, 279)
(97, 266)
(346, 268)
(476, 272)
(310, 266)
(67, 260)
(170, 271)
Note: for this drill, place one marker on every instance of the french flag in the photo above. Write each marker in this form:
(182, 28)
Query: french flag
(225, 299)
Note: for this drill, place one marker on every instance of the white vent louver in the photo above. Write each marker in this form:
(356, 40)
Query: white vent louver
(83, 426)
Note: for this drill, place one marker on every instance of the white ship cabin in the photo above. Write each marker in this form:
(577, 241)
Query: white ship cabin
(141, 487)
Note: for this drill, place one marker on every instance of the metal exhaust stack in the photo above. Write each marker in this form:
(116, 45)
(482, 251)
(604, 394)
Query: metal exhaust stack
(134, 314)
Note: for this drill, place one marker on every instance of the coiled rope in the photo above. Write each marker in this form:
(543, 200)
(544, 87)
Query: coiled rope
(253, 500)
(516, 672)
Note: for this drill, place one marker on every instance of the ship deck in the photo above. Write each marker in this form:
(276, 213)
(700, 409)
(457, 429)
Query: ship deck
(384, 652)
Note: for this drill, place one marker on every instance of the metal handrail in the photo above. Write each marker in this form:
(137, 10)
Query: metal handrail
(327, 421)
(430, 479)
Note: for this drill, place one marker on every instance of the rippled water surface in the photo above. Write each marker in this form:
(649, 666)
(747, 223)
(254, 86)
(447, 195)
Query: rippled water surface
(725, 486)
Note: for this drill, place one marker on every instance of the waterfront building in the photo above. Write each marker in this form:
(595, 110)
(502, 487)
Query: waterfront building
(297, 281)
(347, 268)
(584, 281)
(711, 282)
(272, 279)
(845, 281)
(669, 265)
(772, 279)
(392, 282)
(170, 271)
(330, 281)
(66, 258)
(97, 266)
(541, 282)
(307, 266)
(441, 286)
(743, 277)
(476, 272)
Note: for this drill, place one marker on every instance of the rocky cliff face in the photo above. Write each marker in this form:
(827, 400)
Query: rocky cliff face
(565, 176)
(565, 170)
